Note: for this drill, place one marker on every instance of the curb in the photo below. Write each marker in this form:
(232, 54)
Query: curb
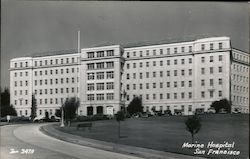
(113, 147)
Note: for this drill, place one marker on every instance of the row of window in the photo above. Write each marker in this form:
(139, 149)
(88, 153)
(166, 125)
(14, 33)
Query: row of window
(101, 96)
(168, 62)
(56, 71)
(100, 86)
(239, 99)
(100, 75)
(55, 81)
(47, 62)
(100, 53)
(100, 65)
(160, 108)
(240, 68)
(174, 50)
(180, 95)
(239, 78)
(240, 57)
(240, 88)
(57, 91)
(174, 84)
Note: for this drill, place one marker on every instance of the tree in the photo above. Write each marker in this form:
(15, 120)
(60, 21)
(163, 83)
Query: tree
(135, 106)
(120, 116)
(6, 107)
(221, 104)
(193, 125)
(33, 107)
(70, 107)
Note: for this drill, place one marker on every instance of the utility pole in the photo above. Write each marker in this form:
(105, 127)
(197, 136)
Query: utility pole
(62, 117)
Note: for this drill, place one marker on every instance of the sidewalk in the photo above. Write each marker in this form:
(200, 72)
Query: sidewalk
(114, 147)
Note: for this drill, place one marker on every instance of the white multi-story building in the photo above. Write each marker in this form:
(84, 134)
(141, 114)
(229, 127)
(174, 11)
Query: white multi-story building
(172, 75)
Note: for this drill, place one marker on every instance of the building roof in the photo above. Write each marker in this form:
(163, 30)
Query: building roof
(53, 53)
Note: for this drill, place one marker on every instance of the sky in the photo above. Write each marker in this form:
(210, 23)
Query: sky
(29, 27)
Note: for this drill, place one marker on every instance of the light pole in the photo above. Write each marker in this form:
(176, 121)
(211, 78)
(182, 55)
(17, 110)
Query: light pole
(62, 117)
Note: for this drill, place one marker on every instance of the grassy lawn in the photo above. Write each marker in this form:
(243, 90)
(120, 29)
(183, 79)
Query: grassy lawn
(168, 133)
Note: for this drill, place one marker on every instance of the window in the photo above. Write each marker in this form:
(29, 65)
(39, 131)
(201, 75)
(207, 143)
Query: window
(175, 84)
(140, 85)
(134, 65)
(15, 65)
(127, 65)
(127, 75)
(90, 97)
(211, 46)
(140, 53)
(220, 45)
(110, 96)
(109, 65)
(220, 93)
(161, 73)
(220, 69)
(154, 96)
(182, 83)
(202, 94)
(211, 70)
(127, 54)
(110, 85)
(147, 52)
(182, 49)
(141, 64)
(91, 66)
(161, 51)
(175, 50)
(91, 54)
(182, 95)
(168, 84)
(21, 64)
(189, 72)
(154, 74)
(61, 80)
(175, 95)
(140, 75)
(211, 94)
(100, 65)
(211, 82)
(72, 70)
(41, 73)
(202, 82)
(154, 52)
(100, 53)
(202, 59)
(161, 85)
(21, 74)
(147, 85)
(147, 74)
(220, 81)
(182, 61)
(168, 95)
(61, 90)
(202, 71)
(91, 87)
(147, 64)
(190, 83)
(134, 86)
(168, 62)
(110, 75)
(220, 57)
(168, 51)
(134, 75)
(202, 47)
(154, 85)
(175, 72)
(73, 59)
(190, 48)
(190, 60)
(175, 62)
(168, 73)
(26, 64)
(134, 53)
(161, 63)
(211, 59)
(99, 86)
(189, 95)
(100, 75)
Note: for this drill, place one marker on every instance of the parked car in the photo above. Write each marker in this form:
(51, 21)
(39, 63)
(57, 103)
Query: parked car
(39, 119)
(211, 110)
(222, 111)
(55, 118)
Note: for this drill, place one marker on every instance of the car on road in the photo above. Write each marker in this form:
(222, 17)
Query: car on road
(39, 119)
(211, 110)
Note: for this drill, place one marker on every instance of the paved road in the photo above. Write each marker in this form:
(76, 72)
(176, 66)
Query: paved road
(18, 137)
